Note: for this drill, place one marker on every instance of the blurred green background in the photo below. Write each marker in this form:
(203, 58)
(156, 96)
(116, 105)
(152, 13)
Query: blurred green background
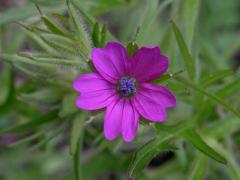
(43, 136)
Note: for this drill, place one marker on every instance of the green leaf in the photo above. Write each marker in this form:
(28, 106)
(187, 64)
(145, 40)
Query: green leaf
(76, 144)
(197, 141)
(53, 27)
(77, 129)
(215, 129)
(22, 59)
(101, 7)
(76, 162)
(17, 14)
(25, 109)
(233, 165)
(191, 10)
(103, 36)
(209, 52)
(51, 116)
(59, 39)
(37, 29)
(228, 52)
(82, 36)
(46, 73)
(132, 47)
(210, 79)
(95, 34)
(149, 150)
(145, 155)
(41, 58)
(150, 14)
(204, 83)
(58, 61)
(86, 15)
(65, 48)
(23, 12)
(28, 138)
(51, 135)
(6, 88)
(68, 105)
(168, 76)
(96, 167)
(13, 41)
(29, 32)
(210, 95)
(199, 168)
(24, 68)
(46, 95)
(227, 89)
(188, 60)
(61, 18)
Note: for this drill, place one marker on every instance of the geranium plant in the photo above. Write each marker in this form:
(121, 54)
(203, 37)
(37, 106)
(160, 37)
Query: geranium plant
(123, 89)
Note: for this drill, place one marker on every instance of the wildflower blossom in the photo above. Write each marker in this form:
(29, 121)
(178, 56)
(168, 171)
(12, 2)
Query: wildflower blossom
(122, 85)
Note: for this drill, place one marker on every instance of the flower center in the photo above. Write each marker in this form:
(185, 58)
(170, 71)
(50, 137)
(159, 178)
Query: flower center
(127, 86)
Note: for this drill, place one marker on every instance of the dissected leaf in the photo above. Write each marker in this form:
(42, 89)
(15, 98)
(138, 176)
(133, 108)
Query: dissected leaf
(53, 27)
(6, 87)
(188, 60)
(81, 35)
(191, 8)
(76, 144)
(160, 143)
(63, 49)
(48, 95)
(27, 139)
(77, 128)
(39, 41)
(198, 142)
(141, 160)
(211, 96)
(199, 169)
(103, 36)
(210, 79)
(68, 105)
(51, 135)
(167, 76)
(51, 116)
(95, 35)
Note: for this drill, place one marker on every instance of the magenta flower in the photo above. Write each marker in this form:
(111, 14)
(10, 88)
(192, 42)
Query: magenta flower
(123, 86)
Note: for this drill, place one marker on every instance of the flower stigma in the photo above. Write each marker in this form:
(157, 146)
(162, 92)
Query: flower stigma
(127, 86)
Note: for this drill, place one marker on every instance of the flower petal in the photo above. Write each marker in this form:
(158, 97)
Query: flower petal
(121, 117)
(96, 92)
(91, 82)
(129, 121)
(113, 120)
(111, 61)
(148, 64)
(149, 105)
(158, 94)
(95, 99)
